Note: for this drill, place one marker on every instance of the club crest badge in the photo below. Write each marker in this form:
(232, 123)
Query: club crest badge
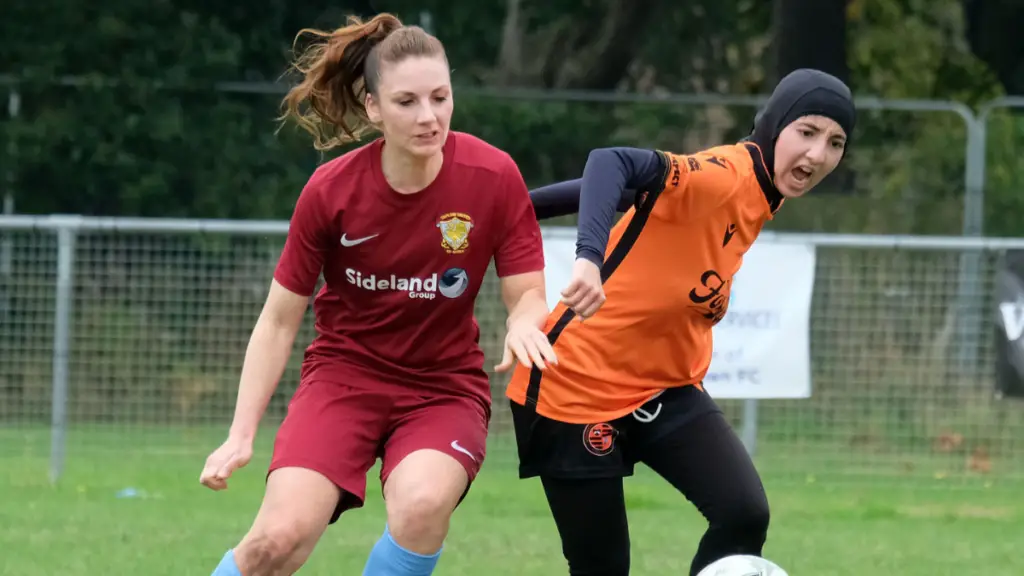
(455, 227)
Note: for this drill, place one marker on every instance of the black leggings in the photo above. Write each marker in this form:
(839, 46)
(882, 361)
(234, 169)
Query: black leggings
(705, 461)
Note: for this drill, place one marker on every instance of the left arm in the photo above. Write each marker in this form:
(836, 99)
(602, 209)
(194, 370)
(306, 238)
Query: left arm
(519, 261)
(607, 176)
(525, 299)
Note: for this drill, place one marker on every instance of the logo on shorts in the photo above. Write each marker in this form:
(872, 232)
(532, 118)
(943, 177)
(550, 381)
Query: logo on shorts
(458, 448)
(455, 227)
(599, 439)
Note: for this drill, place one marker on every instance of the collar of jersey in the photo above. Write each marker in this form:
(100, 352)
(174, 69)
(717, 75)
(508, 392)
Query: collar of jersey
(764, 178)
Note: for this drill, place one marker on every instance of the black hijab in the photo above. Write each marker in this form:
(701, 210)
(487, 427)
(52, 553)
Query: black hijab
(801, 93)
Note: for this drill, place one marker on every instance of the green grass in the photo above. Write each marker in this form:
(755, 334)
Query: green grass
(825, 523)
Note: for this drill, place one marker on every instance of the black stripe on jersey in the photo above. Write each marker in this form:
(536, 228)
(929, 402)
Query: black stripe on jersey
(764, 179)
(645, 200)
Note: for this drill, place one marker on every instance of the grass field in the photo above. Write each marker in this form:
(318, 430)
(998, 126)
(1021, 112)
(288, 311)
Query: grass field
(914, 526)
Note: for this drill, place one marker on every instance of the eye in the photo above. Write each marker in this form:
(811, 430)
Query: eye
(440, 99)
(405, 102)
(838, 144)
(806, 133)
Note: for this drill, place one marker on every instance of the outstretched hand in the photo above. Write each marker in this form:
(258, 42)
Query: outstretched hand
(529, 345)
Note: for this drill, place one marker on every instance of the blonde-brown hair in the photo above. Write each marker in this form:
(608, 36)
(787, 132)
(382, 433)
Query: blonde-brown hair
(339, 68)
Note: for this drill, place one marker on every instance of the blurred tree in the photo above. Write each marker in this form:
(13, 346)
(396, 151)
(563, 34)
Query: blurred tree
(136, 148)
(993, 31)
(810, 34)
(597, 46)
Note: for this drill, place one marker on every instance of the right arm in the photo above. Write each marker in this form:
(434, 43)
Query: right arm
(269, 348)
(295, 277)
(273, 336)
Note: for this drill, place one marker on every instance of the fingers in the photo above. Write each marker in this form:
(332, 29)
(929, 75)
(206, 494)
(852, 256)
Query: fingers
(521, 350)
(215, 483)
(210, 479)
(575, 292)
(218, 469)
(589, 306)
(585, 302)
(514, 350)
(547, 352)
(507, 361)
(535, 352)
(227, 469)
(529, 351)
(583, 298)
(569, 291)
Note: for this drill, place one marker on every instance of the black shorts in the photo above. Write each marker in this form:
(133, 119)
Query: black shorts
(602, 449)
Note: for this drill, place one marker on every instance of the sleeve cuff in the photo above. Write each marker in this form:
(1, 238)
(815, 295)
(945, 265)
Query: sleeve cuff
(588, 253)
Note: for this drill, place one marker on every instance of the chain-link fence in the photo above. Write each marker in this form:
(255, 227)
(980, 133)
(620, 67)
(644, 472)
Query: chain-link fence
(120, 332)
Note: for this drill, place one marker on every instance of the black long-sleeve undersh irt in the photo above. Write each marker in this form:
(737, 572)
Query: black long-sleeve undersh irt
(610, 180)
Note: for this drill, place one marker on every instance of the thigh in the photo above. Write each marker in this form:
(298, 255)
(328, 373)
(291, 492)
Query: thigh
(334, 430)
(707, 462)
(667, 413)
(590, 515)
(562, 450)
(451, 425)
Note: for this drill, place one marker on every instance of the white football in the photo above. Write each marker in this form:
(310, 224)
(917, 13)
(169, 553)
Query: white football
(741, 565)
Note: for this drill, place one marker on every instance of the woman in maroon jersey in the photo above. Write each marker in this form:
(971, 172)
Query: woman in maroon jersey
(403, 230)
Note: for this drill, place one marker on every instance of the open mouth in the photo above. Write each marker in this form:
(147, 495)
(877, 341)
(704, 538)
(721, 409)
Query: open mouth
(427, 137)
(802, 174)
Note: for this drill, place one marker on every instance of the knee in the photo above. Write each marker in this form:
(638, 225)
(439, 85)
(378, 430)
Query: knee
(757, 516)
(739, 527)
(747, 516)
(419, 513)
(268, 547)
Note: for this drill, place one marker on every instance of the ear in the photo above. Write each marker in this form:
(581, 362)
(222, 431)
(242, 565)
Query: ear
(372, 109)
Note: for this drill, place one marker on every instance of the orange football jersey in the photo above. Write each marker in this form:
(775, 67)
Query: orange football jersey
(669, 267)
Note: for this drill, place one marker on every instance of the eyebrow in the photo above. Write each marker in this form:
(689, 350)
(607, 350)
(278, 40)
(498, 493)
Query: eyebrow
(817, 128)
(410, 93)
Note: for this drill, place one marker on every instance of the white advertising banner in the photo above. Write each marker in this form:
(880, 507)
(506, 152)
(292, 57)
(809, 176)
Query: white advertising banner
(762, 346)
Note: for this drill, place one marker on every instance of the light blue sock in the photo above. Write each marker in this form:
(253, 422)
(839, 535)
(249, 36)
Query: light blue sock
(389, 559)
(227, 566)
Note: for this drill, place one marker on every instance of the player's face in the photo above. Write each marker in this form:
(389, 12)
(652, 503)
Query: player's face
(807, 150)
(413, 105)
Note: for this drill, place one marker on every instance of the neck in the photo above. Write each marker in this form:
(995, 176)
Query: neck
(408, 174)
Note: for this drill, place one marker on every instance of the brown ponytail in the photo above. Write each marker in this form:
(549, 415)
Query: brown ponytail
(340, 68)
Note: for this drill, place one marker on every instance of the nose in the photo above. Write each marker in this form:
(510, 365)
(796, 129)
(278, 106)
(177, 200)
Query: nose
(816, 153)
(425, 114)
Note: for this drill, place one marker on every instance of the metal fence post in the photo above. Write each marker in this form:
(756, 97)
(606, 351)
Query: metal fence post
(969, 292)
(749, 432)
(67, 231)
(6, 247)
(970, 315)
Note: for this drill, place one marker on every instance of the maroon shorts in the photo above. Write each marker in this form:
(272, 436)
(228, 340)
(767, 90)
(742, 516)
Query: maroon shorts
(340, 431)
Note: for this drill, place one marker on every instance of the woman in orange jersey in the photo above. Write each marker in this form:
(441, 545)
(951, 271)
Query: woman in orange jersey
(627, 385)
